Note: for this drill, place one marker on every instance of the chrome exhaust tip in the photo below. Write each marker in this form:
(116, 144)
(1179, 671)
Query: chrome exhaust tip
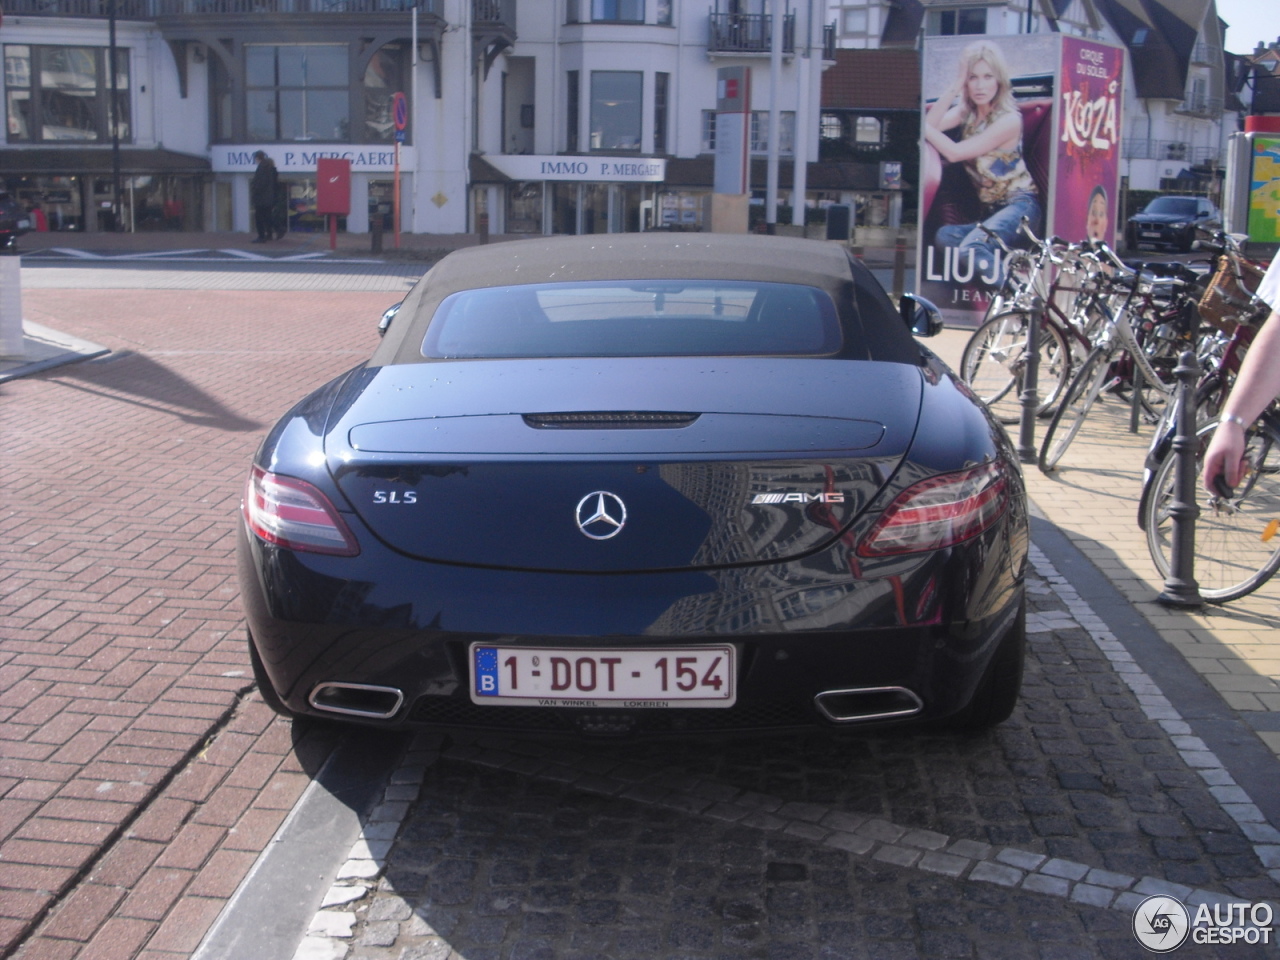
(357, 700)
(867, 703)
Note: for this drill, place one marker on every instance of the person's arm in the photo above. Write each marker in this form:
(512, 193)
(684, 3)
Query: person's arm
(1257, 384)
(1004, 132)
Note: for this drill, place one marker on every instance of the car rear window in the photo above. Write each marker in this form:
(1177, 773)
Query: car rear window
(1178, 206)
(664, 318)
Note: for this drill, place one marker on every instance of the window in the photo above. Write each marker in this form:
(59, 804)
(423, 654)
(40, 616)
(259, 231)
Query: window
(615, 109)
(831, 128)
(660, 318)
(385, 75)
(617, 11)
(868, 130)
(760, 131)
(63, 94)
(664, 13)
(855, 21)
(297, 92)
(661, 84)
(571, 14)
(959, 22)
(571, 113)
(708, 131)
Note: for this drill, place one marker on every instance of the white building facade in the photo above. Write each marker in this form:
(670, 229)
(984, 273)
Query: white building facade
(543, 116)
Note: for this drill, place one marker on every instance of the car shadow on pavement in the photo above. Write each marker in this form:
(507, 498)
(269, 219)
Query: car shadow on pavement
(139, 380)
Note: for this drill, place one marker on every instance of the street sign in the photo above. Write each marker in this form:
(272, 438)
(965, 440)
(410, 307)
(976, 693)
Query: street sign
(400, 112)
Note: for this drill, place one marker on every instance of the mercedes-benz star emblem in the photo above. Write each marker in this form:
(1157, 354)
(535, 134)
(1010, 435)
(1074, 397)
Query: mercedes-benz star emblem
(601, 515)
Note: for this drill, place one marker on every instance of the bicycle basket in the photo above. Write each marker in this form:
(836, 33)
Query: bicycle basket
(1227, 300)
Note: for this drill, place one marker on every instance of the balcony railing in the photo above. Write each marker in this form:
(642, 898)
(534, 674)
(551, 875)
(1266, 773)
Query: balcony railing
(1206, 53)
(157, 9)
(1201, 106)
(494, 11)
(1175, 150)
(749, 33)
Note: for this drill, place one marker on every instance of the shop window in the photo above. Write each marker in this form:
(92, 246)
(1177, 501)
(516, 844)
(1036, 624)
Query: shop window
(297, 92)
(63, 94)
(617, 11)
(760, 131)
(385, 75)
(616, 97)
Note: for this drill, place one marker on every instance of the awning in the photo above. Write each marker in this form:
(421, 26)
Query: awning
(67, 161)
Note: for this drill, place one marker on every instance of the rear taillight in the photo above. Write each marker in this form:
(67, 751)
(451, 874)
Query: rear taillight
(292, 513)
(939, 512)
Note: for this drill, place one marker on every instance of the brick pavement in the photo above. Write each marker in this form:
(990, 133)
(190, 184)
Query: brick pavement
(139, 775)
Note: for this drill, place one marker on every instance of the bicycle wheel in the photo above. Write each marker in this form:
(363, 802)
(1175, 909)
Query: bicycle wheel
(1237, 546)
(995, 358)
(1076, 404)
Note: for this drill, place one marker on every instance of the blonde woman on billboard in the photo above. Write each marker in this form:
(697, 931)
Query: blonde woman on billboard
(979, 102)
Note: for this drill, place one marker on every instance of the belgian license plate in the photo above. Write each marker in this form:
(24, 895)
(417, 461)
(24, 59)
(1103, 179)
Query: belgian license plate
(1151, 233)
(655, 677)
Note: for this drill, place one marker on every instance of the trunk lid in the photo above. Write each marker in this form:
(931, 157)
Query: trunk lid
(619, 465)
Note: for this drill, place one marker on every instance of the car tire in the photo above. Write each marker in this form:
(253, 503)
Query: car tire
(265, 689)
(998, 690)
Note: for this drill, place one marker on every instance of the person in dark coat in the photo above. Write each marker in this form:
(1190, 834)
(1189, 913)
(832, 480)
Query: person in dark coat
(262, 194)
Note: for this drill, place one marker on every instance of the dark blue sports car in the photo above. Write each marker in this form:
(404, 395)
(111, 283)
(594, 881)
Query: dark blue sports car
(640, 484)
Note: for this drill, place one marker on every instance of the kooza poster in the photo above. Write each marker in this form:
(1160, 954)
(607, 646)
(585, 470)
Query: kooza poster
(1087, 177)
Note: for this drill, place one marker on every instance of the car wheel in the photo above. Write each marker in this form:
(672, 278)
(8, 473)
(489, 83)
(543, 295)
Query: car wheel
(265, 689)
(997, 692)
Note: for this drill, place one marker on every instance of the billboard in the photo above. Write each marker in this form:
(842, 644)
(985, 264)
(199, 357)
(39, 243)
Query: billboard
(1264, 191)
(1088, 171)
(1012, 127)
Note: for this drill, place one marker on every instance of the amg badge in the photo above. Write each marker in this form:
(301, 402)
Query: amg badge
(798, 498)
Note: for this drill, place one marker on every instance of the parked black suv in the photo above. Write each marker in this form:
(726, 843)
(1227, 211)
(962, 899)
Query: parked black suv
(1172, 221)
(14, 222)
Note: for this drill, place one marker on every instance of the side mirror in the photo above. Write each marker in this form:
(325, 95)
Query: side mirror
(922, 318)
(387, 316)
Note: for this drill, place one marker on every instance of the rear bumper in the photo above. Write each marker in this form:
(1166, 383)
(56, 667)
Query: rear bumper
(926, 626)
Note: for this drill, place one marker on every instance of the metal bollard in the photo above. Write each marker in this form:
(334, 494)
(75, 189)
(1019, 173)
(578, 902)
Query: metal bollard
(1030, 386)
(11, 342)
(899, 266)
(1180, 587)
(375, 234)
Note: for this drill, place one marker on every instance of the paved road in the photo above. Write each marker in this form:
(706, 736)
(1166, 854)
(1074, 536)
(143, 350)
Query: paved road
(142, 780)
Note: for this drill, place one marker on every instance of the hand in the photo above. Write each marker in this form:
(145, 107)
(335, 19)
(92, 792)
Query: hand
(1225, 457)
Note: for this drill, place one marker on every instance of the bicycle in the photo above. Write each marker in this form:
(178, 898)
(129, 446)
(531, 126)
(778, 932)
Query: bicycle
(994, 359)
(1233, 315)
(1118, 351)
(1237, 549)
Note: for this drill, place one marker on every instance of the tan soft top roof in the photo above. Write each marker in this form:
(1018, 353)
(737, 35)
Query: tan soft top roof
(630, 256)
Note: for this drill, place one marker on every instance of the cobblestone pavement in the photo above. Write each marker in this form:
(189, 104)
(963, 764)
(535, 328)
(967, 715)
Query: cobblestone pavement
(141, 777)
(1036, 841)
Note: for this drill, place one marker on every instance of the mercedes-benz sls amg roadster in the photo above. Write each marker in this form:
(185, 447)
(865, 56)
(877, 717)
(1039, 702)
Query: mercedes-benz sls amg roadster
(644, 484)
